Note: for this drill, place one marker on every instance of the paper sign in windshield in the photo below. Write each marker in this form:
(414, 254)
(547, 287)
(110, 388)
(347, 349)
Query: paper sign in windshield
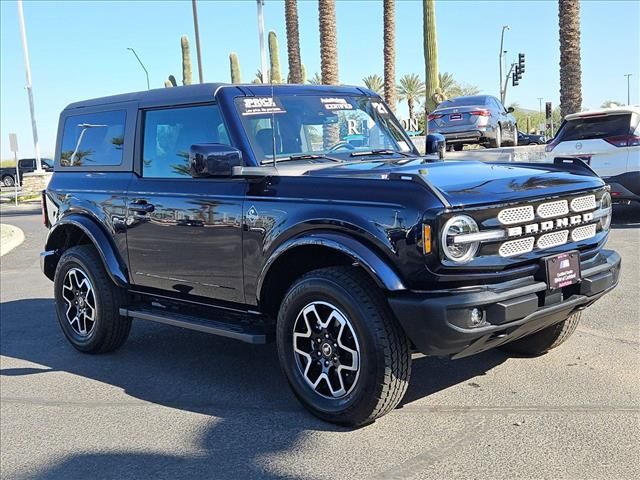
(260, 106)
(336, 104)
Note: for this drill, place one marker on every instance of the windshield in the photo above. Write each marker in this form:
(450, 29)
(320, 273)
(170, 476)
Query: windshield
(314, 125)
(47, 162)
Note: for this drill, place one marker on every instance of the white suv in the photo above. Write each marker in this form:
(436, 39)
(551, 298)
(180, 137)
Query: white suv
(609, 141)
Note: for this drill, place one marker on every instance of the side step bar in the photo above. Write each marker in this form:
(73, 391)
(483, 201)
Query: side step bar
(222, 329)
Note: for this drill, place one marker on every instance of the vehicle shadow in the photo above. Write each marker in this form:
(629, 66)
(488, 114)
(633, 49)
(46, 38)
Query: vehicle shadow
(240, 385)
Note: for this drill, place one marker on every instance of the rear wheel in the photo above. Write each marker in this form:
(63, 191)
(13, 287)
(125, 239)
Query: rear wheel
(88, 302)
(8, 181)
(458, 147)
(497, 141)
(343, 353)
(541, 342)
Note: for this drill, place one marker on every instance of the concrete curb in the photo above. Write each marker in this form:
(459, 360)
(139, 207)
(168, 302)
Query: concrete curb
(10, 238)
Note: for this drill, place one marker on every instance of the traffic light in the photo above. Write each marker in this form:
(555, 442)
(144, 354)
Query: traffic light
(515, 77)
(547, 110)
(521, 63)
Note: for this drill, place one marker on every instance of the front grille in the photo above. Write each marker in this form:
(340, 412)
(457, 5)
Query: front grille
(582, 233)
(516, 247)
(553, 209)
(582, 204)
(511, 216)
(554, 239)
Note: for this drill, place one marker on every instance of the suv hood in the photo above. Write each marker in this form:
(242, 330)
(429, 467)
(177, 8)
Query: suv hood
(465, 183)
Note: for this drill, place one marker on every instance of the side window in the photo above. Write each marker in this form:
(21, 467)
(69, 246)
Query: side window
(93, 139)
(169, 134)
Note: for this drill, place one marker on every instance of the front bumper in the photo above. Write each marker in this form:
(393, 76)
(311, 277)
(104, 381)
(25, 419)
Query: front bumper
(438, 322)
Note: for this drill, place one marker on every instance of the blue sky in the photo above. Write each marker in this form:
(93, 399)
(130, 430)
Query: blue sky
(79, 49)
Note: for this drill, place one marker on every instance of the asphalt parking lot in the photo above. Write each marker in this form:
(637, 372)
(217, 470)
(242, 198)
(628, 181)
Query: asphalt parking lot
(179, 404)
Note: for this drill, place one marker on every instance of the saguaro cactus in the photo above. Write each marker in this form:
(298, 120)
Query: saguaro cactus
(186, 60)
(234, 66)
(274, 58)
(304, 73)
(430, 52)
(170, 82)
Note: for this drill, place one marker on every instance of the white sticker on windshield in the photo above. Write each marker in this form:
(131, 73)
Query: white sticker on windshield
(336, 104)
(260, 106)
(380, 108)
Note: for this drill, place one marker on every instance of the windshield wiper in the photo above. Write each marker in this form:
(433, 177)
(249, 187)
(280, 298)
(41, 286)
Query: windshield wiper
(302, 156)
(369, 153)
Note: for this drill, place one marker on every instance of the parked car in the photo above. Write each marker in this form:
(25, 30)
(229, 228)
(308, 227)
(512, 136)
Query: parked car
(25, 165)
(478, 119)
(609, 141)
(350, 256)
(530, 139)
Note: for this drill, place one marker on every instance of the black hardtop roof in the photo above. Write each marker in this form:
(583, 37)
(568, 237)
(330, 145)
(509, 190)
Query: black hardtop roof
(203, 92)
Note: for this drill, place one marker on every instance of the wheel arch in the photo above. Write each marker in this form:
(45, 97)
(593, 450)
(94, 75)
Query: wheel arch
(78, 229)
(317, 250)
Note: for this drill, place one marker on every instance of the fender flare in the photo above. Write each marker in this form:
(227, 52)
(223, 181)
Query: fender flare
(114, 265)
(379, 270)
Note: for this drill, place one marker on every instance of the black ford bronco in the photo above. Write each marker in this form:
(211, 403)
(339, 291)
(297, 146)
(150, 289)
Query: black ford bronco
(306, 215)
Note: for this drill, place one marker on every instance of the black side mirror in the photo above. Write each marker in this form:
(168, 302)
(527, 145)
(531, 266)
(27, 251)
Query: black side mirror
(510, 110)
(213, 160)
(436, 143)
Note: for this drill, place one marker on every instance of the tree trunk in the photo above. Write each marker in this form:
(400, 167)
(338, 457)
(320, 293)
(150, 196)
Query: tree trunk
(410, 105)
(293, 41)
(389, 20)
(328, 42)
(430, 52)
(570, 72)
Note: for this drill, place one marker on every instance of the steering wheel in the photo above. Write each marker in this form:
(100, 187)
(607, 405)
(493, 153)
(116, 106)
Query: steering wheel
(342, 144)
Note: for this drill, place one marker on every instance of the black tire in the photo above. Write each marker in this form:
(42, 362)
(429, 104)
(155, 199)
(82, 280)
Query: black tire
(496, 142)
(384, 358)
(541, 342)
(515, 136)
(109, 330)
(8, 181)
(458, 147)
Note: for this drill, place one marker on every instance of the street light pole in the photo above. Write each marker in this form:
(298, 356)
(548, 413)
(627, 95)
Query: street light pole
(197, 32)
(27, 67)
(540, 102)
(628, 75)
(142, 65)
(263, 52)
(504, 27)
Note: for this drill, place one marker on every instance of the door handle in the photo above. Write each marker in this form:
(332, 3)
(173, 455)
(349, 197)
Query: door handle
(141, 206)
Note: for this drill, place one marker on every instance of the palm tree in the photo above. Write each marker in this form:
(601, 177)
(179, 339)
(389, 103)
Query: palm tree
(570, 73)
(316, 79)
(389, 52)
(374, 82)
(328, 41)
(447, 84)
(293, 41)
(411, 88)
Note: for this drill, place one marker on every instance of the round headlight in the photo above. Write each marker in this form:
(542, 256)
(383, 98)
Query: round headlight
(459, 252)
(607, 211)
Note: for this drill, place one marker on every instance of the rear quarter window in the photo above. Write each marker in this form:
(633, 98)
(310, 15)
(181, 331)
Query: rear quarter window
(93, 139)
(587, 128)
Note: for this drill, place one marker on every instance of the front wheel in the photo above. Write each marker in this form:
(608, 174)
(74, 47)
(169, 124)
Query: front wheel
(497, 141)
(541, 342)
(343, 353)
(8, 181)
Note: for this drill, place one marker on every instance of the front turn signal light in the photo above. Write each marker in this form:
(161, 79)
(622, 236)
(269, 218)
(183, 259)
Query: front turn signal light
(426, 239)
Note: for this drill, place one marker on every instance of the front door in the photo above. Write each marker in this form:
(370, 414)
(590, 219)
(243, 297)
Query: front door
(184, 234)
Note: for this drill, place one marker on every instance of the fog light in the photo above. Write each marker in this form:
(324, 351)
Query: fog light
(477, 317)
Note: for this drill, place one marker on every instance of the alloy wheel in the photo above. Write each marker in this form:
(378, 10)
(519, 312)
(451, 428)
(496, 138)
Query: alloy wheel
(80, 300)
(326, 350)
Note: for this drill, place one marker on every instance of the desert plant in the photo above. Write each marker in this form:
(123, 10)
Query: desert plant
(274, 59)
(186, 60)
(570, 71)
(389, 52)
(234, 66)
(316, 79)
(411, 88)
(328, 41)
(170, 82)
(374, 82)
(293, 41)
(430, 51)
